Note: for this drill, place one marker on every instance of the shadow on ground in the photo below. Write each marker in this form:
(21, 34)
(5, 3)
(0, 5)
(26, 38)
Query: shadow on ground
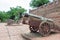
(30, 35)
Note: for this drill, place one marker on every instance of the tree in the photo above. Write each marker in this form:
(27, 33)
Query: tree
(3, 16)
(16, 13)
(37, 3)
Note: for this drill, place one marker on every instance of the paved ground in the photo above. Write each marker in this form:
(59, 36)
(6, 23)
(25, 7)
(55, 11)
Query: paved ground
(14, 33)
(51, 37)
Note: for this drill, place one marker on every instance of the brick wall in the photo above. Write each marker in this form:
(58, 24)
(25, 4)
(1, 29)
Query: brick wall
(51, 11)
(47, 9)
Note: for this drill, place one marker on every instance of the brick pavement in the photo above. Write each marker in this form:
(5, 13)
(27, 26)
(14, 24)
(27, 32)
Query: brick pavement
(14, 33)
(11, 32)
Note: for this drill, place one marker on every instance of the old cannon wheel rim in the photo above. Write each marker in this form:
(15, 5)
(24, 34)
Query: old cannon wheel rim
(44, 29)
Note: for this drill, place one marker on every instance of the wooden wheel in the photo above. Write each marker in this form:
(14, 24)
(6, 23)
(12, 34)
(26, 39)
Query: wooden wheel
(44, 29)
(33, 29)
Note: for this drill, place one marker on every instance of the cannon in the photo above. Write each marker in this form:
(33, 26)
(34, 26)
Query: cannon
(41, 24)
(10, 22)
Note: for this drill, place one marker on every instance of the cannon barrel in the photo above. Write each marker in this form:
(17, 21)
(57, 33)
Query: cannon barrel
(39, 17)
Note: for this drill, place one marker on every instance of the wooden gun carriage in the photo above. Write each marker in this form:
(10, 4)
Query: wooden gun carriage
(41, 24)
(50, 20)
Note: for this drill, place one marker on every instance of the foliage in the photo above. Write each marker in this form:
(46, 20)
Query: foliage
(13, 13)
(37, 3)
(16, 13)
(3, 16)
